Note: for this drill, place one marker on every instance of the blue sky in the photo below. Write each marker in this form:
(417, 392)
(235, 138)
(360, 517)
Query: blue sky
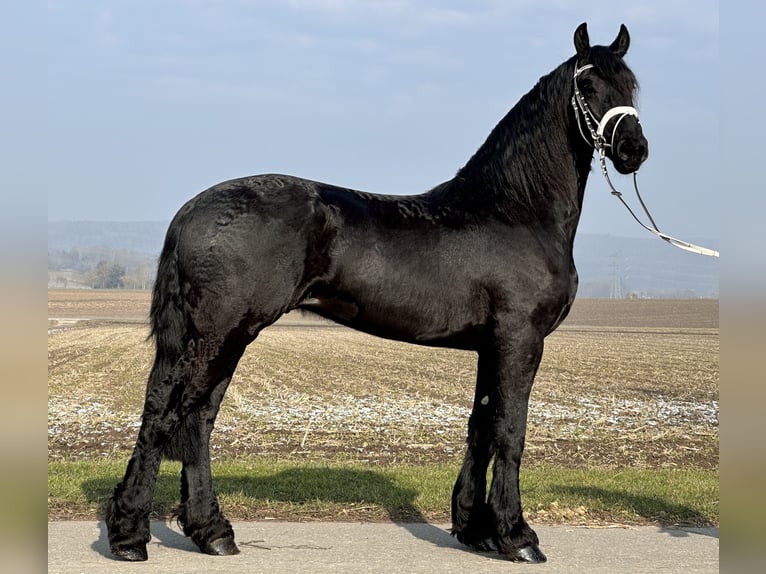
(151, 102)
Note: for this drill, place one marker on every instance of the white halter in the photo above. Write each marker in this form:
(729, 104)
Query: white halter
(597, 139)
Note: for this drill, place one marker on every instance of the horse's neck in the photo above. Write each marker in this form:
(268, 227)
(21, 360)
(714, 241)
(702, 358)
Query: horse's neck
(531, 166)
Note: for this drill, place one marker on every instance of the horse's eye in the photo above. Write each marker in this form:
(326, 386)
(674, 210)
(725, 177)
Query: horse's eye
(587, 88)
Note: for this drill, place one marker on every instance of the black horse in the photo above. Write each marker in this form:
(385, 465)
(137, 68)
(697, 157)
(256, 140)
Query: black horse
(480, 262)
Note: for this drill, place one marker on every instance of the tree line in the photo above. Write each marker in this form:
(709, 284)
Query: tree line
(100, 268)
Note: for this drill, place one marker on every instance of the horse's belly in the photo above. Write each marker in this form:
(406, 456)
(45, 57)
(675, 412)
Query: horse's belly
(421, 320)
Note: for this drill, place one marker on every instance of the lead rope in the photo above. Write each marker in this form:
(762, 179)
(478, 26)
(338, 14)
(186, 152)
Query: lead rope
(680, 243)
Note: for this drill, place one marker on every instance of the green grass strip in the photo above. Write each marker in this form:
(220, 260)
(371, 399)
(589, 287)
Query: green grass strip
(265, 489)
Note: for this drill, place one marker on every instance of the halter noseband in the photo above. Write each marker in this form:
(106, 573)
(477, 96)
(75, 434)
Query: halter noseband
(597, 139)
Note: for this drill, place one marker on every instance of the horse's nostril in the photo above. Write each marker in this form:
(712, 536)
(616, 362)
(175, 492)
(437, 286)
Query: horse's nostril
(624, 149)
(628, 149)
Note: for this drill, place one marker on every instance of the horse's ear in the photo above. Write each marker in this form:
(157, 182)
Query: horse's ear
(621, 43)
(582, 42)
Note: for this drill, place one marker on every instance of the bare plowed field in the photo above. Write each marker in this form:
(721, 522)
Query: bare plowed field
(622, 383)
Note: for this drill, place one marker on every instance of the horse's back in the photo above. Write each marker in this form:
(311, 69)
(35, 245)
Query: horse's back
(262, 198)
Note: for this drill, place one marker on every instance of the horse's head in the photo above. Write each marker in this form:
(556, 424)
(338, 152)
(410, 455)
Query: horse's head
(604, 92)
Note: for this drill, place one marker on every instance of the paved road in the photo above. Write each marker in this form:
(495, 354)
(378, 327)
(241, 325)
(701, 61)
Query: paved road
(337, 548)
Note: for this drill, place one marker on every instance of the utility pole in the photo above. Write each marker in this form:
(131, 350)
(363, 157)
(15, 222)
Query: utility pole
(616, 289)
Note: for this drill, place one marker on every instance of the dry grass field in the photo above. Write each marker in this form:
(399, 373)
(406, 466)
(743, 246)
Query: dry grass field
(628, 383)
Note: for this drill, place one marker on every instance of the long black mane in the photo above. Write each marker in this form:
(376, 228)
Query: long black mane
(517, 161)
(522, 144)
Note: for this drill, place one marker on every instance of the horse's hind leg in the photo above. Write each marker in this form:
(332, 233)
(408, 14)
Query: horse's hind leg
(127, 511)
(191, 392)
(199, 513)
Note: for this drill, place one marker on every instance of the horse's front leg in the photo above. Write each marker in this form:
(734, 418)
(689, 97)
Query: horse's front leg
(517, 354)
(470, 521)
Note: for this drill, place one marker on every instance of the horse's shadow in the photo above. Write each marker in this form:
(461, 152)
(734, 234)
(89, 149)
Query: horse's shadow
(299, 485)
(645, 506)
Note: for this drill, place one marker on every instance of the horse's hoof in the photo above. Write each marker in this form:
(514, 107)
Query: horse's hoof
(130, 553)
(529, 554)
(222, 547)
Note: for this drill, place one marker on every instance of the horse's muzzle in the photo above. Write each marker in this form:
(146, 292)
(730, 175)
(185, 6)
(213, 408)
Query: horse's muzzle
(630, 152)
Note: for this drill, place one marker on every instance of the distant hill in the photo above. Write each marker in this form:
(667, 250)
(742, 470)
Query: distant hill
(608, 265)
(144, 237)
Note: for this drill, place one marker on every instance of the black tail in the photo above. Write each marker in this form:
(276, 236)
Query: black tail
(167, 317)
(171, 334)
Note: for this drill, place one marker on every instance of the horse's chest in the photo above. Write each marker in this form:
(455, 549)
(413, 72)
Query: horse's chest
(563, 303)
